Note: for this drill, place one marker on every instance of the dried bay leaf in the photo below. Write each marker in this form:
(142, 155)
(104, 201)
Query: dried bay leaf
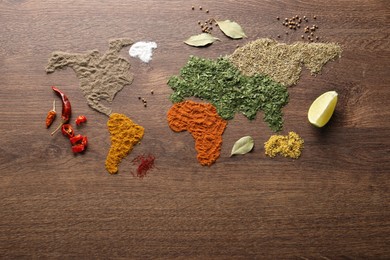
(243, 145)
(231, 29)
(200, 40)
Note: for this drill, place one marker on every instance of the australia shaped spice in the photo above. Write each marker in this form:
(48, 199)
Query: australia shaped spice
(283, 62)
(125, 134)
(223, 85)
(290, 145)
(204, 124)
(101, 76)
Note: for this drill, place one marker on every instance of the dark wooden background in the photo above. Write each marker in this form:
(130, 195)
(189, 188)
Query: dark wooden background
(331, 203)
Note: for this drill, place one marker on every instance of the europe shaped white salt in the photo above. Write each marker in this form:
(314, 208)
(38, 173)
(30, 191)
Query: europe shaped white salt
(143, 50)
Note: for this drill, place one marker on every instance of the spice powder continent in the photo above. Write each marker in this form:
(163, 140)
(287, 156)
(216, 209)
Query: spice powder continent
(290, 145)
(101, 76)
(283, 62)
(223, 85)
(204, 124)
(125, 134)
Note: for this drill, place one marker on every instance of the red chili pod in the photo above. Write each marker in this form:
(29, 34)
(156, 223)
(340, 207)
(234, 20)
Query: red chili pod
(66, 109)
(80, 119)
(78, 148)
(76, 139)
(84, 141)
(67, 130)
(51, 115)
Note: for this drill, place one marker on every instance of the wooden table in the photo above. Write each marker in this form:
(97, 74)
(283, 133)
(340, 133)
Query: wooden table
(331, 203)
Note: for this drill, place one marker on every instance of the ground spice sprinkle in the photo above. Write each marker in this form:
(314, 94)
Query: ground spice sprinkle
(290, 145)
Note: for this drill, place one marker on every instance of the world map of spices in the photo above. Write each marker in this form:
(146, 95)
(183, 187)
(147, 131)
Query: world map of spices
(236, 83)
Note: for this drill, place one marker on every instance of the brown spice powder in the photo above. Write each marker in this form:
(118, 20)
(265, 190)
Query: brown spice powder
(101, 75)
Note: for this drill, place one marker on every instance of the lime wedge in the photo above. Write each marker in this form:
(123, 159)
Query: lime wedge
(321, 110)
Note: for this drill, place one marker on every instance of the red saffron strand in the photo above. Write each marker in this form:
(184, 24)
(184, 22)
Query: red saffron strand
(145, 163)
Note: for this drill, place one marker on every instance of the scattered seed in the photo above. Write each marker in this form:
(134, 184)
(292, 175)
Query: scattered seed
(152, 92)
(277, 18)
(193, 7)
(200, 8)
(207, 11)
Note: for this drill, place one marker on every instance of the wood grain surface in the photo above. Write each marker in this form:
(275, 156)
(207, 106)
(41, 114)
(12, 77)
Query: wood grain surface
(332, 203)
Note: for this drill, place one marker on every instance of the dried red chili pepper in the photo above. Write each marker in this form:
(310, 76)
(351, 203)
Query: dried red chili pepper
(79, 143)
(80, 120)
(67, 130)
(75, 139)
(66, 108)
(84, 141)
(78, 148)
(51, 115)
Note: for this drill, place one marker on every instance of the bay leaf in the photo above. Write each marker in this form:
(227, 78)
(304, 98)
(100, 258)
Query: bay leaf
(231, 29)
(243, 145)
(200, 40)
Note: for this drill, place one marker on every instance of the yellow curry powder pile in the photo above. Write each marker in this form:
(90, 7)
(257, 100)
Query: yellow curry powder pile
(204, 124)
(290, 145)
(124, 135)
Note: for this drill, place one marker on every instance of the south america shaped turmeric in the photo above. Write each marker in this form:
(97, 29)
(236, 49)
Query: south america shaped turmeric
(125, 134)
(204, 124)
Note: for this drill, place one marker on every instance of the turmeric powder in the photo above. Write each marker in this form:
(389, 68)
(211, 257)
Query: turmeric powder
(124, 135)
(204, 124)
(290, 145)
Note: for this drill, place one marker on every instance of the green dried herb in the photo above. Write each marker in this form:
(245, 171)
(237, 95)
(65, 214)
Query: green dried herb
(200, 40)
(243, 145)
(231, 29)
(222, 84)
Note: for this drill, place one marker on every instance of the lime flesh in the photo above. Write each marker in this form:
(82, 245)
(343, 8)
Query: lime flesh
(321, 110)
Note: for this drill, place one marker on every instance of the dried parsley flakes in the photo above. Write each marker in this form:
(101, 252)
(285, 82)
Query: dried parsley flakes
(222, 84)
